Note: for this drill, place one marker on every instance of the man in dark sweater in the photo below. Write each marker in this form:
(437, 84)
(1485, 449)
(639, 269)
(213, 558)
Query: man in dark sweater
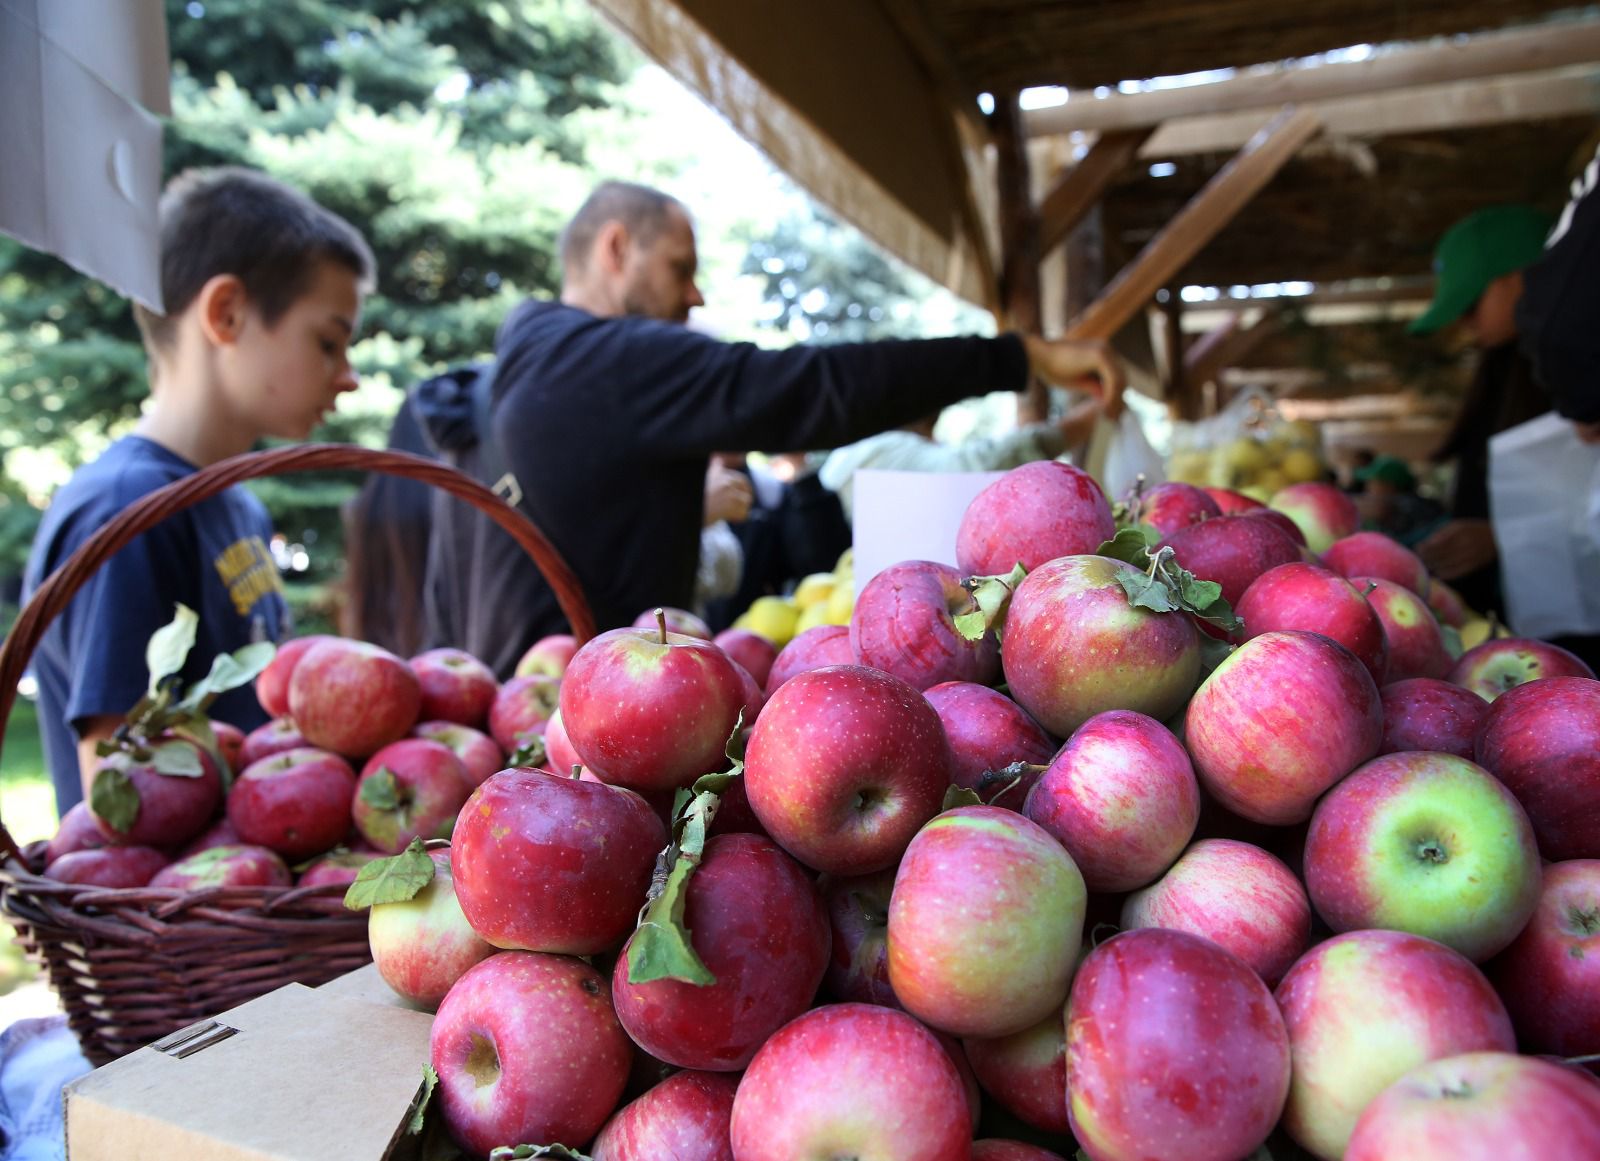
(606, 409)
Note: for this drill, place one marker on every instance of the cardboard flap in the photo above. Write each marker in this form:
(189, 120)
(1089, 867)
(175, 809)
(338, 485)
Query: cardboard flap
(305, 1076)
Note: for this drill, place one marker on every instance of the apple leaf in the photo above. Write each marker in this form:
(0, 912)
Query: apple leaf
(1165, 586)
(1452, 641)
(430, 1081)
(524, 1152)
(381, 791)
(531, 752)
(1213, 653)
(114, 798)
(229, 671)
(1146, 592)
(956, 796)
(169, 646)
(197, 729)
(177, 758)
(1129, 545)
(992, 596)
(392, 880)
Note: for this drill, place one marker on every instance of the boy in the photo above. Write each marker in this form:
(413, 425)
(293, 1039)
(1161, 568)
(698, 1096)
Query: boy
(263, 293)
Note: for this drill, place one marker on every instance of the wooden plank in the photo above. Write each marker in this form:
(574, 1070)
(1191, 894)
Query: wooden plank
(1019, 222)
(1493, 54)
(1079, 189)
(1196, 224)
(1226, 346)
(1179, 387)
(1427, 109)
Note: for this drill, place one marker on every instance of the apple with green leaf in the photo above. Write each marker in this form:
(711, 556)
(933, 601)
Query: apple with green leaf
(409, 789)
(239, 865)
(421, 941)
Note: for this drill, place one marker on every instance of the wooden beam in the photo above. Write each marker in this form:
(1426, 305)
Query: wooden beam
(1079, 189)
(1430, 108)
(1226, 346)
(1019, 222)
(1493, 54)
(1196, 224)
(1179, 388)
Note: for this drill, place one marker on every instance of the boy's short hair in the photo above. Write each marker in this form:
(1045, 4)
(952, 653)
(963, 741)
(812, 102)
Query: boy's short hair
(237, 221)
(641, 208)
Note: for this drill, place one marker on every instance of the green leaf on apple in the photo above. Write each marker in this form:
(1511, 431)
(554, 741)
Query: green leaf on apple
(532, 752)
(169, 646)
(957, 796)
(381, 791)
(430, 1081)
(1130, 545)
(1146, 592)
(1213, 653)
(1453, 644)
(229, 671)
(992, 596)
(392, 880)
(114, 798)
(524, 1152)
(177, 758)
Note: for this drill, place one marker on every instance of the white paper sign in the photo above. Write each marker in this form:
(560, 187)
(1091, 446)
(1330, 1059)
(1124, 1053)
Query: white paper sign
(80, 155)
(1544, 502)
(909, 516)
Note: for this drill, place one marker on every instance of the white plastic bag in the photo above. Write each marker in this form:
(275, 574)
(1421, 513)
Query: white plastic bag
(1544, 502)
(1128, 455)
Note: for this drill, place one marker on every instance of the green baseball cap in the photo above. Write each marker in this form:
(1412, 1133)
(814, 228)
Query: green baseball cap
(1473, 253)
(1390, 470)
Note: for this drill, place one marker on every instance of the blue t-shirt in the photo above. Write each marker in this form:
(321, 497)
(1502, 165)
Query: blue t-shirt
(212, 557)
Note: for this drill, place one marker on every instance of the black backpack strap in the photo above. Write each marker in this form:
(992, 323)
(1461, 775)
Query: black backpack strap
(492, 466)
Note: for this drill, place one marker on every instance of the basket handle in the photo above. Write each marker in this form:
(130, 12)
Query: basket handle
(144, 513)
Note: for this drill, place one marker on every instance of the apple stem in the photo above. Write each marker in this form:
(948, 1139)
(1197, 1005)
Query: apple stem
(661, 624)
(1592, 1058)
(1433, 852)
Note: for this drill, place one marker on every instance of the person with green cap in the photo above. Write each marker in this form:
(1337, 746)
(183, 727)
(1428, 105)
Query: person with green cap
(1389, 502)
(1479, 265)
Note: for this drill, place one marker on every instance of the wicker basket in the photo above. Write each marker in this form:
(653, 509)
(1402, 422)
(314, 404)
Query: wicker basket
(132, 965)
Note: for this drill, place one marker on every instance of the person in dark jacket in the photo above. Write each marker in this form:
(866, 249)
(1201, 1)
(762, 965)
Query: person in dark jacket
(606, 409)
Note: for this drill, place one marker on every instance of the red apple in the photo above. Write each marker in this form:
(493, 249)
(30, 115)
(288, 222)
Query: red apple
(1174, 1049)
(845, 765)
(272, 683)
(1503, 663)
(1232, 503)
(758, 924)
(1170, 506)
(754, 700)
(684, 1118)
(988, 732)
(749, 649)
(1026, 1072)
(107, 866)
(409, 789)
(904, 624)
(275, 737)
(1542, 740)
(241, 865)
(817, 647)
(969, 1080)
(1075, 646)
(679, 621)
(1550, 975)
(521, 708)
(170, 809)
(549, 656)
(851, 1080)
(1425, 843)
(1238, 896)
(1325, 514)
(650, 710)
(1364, 1008)
(1121, 796)
(1279, 521)
(353, 698)
(999, 1149)
(1446, 603)
(296, 803)
(984, 923)
(560, 757)
(554, 864)
(78, 832)
(858, 916)
(1424, 714)
(734, 815)
(1233, 551)
(1482, 1106)
(495, 1039)
(1030, 515)
(337, 866)
(230, 744)
(424, 944)
(1416, 643)
(456, 686)
(1372, 554)
(1279, 721)
(1318, 600)
(480, 756)
(218, 834)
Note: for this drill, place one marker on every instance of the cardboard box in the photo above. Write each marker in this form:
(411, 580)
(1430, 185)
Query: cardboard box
(300, 1074)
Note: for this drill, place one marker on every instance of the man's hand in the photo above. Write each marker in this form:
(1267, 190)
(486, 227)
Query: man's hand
(728, 494)
(1069, 364)
(1459, 548)
(1588, 432)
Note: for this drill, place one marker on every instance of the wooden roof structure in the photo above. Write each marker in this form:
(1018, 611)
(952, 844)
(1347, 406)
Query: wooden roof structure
(907, 118)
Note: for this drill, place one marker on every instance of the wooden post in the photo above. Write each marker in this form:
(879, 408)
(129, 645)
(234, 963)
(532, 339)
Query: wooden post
(1196, 224)
(1019, 222)
(1182, 401)
(1086, 262)
(1079, 189)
